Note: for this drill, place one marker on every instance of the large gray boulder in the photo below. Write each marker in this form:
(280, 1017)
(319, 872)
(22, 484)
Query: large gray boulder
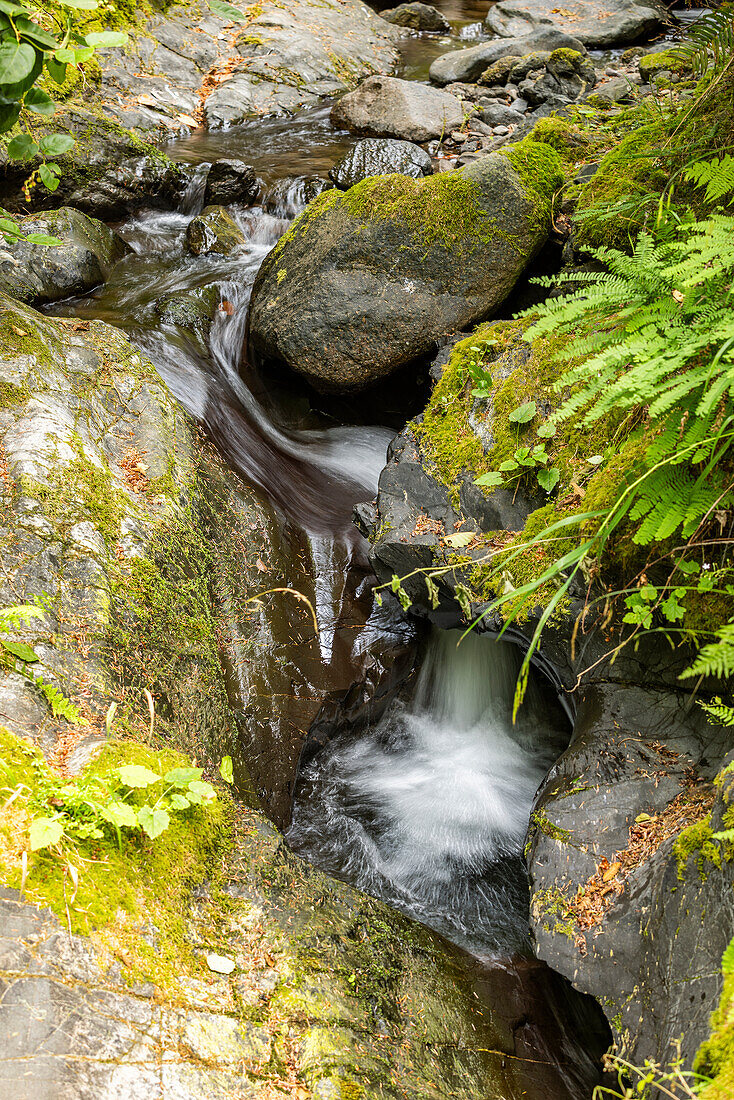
(387, 107)
(380, 157)
(366, 280)
(462, 66)
(594, 22)
(418, 17)
(40, 273)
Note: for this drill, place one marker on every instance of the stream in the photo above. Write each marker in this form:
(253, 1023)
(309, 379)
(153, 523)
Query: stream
(427, 806)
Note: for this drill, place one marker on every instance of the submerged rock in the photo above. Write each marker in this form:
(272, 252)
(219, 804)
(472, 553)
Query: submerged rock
(596, 23)
(468, 65)
(192, 310)
(214, 230)
(45, 273)
(368, 279)
(388, 107)
(380, 157)
(231, 181)
(419, 17)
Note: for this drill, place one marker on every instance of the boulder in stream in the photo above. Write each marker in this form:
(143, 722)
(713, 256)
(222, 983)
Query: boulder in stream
(385, 106)
(469, 64)
(418, 17)
(366, 280)
(231, 181)
(191, 310)
(380, 157)
(213, 230)
(596, 23)
(40, 273)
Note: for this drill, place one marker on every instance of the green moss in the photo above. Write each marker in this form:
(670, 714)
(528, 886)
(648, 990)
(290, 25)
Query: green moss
(570, 141)
(671, 60)
(540, 170)
(715, 1057)
(554, 912)
(697, 840)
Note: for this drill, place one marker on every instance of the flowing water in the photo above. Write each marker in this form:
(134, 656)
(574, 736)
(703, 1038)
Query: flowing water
(426, 807)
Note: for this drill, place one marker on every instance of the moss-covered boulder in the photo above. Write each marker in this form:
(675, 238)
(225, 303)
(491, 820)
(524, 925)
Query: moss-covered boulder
(368, 279)
(82, 258)
(213, 230)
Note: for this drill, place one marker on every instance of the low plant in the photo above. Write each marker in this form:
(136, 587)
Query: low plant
(21, 658)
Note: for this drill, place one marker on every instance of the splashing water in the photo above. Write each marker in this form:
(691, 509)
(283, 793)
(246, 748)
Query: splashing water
(429, 809)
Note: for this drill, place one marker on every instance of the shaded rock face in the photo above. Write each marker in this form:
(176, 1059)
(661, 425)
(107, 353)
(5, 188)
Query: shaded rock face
(595, 24)
(388, 107)
(639, 767)
(40, 273)
(214, 230)
(468, 65)
(357, 288)
(192, 310)
(380, 157)
(231, 181)
(418, 17)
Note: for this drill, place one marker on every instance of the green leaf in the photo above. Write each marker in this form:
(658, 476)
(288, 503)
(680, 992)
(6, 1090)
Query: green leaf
(137, 775)
(226, 770)
(181, 777)
(45, 832)
(56, 70)
(9, 115)
(201, 789)
(21, 613)
(523, 414)
(80, 5)
(11, 8)
(180, 801)
(118, 813)
(55, 145)
(548, 479)
(489, 480)
(460, 539)
(547, 430)
(37, 101)
(727, 961)
(227, 11)
(37, 35)
(105, 39)
(153, 822)
(23, 652)
(17, 60)
(508, 465)
(22, 147)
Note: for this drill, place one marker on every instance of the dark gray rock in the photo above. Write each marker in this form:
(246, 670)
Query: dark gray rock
(231, 181)
(594, 22)
(192, 310)
(352, 293)
(213, 230)
(500, 115)
(469, 64)
(388, 107)
(419, 17)
(45, 273)
(380, 157)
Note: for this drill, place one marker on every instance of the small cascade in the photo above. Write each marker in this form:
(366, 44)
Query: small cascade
(429, 809)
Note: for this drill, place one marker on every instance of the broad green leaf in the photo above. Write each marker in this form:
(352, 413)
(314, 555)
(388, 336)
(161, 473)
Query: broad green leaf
(22, 147)
(23, 652)
(55, 145)
(118, 813)
(38, 36)
(181, 777)
(490, 479)
(547, 430)
(11, 8)
(105, 39)
(548, 479)
(137, 775)
(461, 538)
(226, 769)
(508, 465)
(201, 789)
(523, 414)
(595, 460)
(180, 801)
(9, 115)
(227, 11)
(9, 230)
(45, 832)
(38, 101)
(17, 60)
(56, 70)
(80, 5)
(153, 822)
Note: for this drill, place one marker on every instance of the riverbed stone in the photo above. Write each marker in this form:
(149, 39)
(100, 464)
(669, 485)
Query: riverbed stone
(389, 107)
(192, 310)
(213, 230)
(380, 157)
(231, 181)
(598, 25)
(418, 17)
(469, 64)
(45, 273)
(368, 279)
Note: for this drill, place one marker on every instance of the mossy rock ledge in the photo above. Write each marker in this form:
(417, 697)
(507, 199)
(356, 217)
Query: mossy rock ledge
(368, 279)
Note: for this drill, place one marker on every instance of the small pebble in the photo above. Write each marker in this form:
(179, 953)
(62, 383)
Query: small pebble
(500, 130)
(220, 964)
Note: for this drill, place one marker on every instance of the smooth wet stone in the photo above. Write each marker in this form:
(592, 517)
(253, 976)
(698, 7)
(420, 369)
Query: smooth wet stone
(189, 309)
(380, 157)
(214, 230)
(45, 273)
(596, 23)
(231, 181)
(469, 64)
(419, 17)
(388, 107)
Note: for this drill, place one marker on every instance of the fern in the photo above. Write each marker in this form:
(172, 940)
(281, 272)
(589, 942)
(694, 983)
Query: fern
(716, 175)
(717, 658)
(719, 712)
(710, 42)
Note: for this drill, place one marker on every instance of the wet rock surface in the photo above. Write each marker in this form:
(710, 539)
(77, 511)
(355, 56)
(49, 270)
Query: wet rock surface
(378, 292)
(418, 17)
(469, 64)
(598, 25)
(231, 181)
(213, 230)
(380, 157)
(388, 107)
